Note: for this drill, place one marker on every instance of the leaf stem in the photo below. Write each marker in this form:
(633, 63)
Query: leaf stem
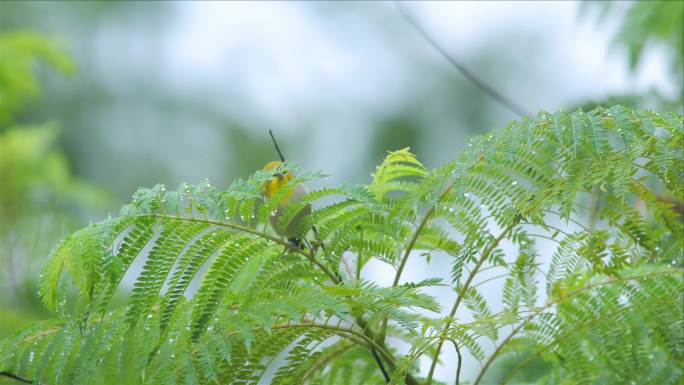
(409, 248)
(258, 233)
(460, 361)
(461, 294)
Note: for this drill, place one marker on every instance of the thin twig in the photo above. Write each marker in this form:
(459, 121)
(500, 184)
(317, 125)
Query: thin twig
(460, 361)
(368, 332)
(379, 361)
(480, 83)
(492, 246)
(280, 154)
(466, 285)
(323, 360)
(16, 377)
(348, 267)
(593, 213)
(409, 248)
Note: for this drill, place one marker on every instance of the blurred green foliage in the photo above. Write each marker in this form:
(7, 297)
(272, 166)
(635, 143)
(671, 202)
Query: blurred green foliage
(20, 52)
(36, 176)
(40, 200)
(658, 23)
(646, 25)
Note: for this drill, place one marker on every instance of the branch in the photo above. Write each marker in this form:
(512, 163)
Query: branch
(481, 84)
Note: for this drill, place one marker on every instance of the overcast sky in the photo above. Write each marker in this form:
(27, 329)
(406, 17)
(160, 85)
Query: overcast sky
(283, 63)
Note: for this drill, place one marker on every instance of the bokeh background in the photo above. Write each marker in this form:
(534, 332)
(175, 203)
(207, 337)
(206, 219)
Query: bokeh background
(98, 98)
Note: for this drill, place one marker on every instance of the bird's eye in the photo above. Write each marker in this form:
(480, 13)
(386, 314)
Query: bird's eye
(279, 176)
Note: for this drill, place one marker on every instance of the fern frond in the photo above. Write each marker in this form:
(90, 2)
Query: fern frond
(219, 297)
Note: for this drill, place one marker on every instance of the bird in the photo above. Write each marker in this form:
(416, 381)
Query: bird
(294, 227)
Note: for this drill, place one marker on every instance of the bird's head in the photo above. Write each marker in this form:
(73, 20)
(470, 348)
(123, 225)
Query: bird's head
(278, 180)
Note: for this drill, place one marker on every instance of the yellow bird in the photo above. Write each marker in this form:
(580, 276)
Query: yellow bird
(295, 228)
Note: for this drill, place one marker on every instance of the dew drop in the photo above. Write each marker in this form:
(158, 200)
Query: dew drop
(515, 182)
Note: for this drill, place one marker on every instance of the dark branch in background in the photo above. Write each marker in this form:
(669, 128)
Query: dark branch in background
(15, 377)
(481, 84)
(280, 154)
(375, 354)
